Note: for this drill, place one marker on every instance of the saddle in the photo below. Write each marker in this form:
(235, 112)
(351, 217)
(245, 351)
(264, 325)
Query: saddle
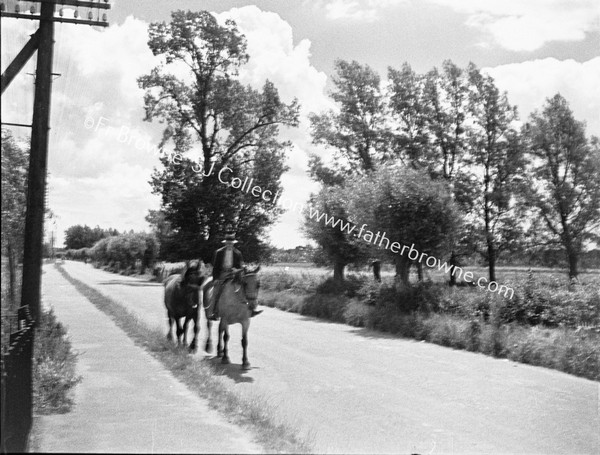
(233, 276)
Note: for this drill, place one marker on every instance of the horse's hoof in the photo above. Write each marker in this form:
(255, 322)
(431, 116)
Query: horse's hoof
(208, 347)
(219, 353)
(246, 366)
(193, 348)
(225, 360)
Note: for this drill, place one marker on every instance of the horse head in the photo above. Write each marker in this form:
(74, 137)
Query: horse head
(251, 284)
(191, 279)
(191, 273)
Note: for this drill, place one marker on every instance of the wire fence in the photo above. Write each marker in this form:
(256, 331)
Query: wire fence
(16, 366)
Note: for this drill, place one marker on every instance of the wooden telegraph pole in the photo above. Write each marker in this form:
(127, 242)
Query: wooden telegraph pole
(43, 42)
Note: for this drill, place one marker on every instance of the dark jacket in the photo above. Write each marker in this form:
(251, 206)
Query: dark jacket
(238, 261)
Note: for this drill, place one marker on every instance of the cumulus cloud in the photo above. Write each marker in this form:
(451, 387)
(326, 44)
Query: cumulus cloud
(512, 24)
(102, 153)
(354, 10)
(97, 175)
(275, 56)
(528, 25)
(530, 83)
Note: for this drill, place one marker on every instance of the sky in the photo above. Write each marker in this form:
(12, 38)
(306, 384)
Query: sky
(102, 153)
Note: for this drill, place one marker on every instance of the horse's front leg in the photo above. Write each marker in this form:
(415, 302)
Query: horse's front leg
(206, 299)
(208, 348)
(225, 330)
(179, 330)
(245, 363)
(219, 340)
(169, 334)
(193, 346)
(186, 323)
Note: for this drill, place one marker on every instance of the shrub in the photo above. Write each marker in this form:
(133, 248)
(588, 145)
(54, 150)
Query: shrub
(324, 306)
(53, 366)
(369, 292)
(356, 313)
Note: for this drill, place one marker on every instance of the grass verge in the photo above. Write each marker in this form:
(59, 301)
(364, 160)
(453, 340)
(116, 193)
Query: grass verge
(53, 367)
(254, 413)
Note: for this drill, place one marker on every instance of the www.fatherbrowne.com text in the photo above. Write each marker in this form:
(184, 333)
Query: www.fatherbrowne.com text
(380, 239)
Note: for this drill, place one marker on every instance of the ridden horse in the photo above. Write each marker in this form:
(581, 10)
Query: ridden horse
(182, 301)
(241, 288)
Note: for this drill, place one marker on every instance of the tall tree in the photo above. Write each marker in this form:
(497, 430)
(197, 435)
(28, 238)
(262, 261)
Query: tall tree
(410, 114)
(15, 161)
(327, 222)
(236, 127)
(358, 135)
(446, 97)
(497, 157)
(357, 131)
(565, 184)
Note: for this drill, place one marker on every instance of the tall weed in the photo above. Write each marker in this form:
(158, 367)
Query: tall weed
(53, 367)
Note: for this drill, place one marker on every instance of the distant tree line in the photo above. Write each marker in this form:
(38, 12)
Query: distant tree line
(78, 236)
(131, 251)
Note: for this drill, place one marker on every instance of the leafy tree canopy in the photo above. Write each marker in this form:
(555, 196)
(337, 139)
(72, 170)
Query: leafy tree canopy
(235, 126)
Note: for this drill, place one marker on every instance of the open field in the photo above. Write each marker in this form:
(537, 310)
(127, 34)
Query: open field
(504, 273)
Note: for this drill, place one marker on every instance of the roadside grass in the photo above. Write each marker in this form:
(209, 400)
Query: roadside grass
(54, 363)
(254, 412)
(53, 367)
(545, 325)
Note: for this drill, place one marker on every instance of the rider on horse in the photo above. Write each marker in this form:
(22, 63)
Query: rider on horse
(225, 261)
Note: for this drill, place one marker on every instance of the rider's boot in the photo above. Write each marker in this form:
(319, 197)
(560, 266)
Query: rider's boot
(215, 313)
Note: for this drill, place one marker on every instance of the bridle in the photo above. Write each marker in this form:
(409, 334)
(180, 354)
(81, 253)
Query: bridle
(254, 295)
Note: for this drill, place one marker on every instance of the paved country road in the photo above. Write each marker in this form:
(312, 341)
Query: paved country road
(358, 391)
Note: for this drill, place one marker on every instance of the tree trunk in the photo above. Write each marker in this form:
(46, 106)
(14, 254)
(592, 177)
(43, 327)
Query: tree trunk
(338, 272)
(420, 271)
(401, 279)
(573, 258)
(453, 262)
(572, 251)
(491, 260)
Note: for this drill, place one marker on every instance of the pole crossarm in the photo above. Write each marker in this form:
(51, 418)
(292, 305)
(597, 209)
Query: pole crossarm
(82, 4)
(57, 19)
(20, 60)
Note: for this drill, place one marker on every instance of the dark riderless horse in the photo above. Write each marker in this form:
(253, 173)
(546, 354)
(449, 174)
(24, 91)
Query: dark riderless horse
(182, 301)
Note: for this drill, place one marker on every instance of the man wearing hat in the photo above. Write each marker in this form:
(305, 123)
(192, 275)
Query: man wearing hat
(224, 261)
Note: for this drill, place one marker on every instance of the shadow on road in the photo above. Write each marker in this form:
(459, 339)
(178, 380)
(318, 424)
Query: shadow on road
(131, 283)
(233, 370)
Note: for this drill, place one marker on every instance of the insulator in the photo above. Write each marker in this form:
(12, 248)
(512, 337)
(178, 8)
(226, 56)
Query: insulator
(104, 17)
(61, 12)
(32, 10)
(76, 14)
(2, 7)
(90, 15)
(17, 8)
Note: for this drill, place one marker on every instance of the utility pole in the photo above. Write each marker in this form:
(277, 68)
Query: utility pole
(43, 42)
(17, 385)
(38, 163)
